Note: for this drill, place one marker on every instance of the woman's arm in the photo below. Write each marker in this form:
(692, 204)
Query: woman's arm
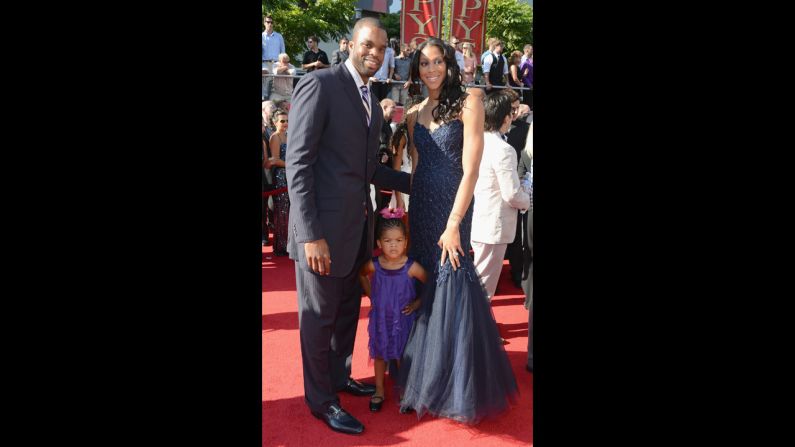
(266, 163)
(416, 271)
(396, 165)
(515, 75)
(472, 116)
(274, 144)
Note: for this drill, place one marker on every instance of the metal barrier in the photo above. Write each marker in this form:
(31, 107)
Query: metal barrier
(270, 75)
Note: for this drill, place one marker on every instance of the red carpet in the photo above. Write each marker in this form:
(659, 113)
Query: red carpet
(286, 420)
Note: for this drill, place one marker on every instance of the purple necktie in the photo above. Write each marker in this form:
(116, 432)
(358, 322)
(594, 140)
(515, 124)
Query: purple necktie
(366, 100)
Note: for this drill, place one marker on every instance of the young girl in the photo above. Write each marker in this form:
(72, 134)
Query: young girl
(392, 299)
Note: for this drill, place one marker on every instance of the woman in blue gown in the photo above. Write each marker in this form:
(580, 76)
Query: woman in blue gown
(454, 364)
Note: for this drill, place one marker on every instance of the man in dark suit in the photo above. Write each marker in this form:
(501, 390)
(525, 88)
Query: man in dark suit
(331, 161)
(526, 165)
(516, 138)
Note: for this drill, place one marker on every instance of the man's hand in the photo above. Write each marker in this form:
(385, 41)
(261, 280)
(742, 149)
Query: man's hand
(318, 256)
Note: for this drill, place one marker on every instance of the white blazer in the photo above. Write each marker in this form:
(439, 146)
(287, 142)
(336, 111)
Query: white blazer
(498, 193)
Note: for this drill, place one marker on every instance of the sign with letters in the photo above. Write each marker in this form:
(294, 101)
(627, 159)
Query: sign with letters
(420, 20)
(468, 23)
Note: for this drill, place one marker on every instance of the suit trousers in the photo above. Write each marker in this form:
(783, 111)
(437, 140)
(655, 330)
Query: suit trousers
(514, 251)
(488, 263)
(328, 315)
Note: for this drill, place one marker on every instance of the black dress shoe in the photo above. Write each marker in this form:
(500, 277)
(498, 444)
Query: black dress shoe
(340, 420)
(358, 388)
(375, 403)
(406, 410)
(528, 368)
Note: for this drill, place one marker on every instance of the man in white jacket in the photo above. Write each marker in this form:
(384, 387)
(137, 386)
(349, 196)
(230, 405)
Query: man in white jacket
(498, 194)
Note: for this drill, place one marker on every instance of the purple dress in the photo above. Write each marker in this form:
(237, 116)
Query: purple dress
(391, 291)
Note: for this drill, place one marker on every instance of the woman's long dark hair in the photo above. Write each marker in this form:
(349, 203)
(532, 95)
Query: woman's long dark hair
(452, 94)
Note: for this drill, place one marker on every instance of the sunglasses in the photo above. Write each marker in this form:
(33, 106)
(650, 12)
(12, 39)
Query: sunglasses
(282, 121)
(269, 21)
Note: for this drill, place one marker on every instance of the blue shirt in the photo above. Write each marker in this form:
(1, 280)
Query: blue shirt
(272, 46)
(389, 62)
(483, 56)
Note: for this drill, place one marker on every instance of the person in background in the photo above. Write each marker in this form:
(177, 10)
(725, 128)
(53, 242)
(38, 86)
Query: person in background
(400, 92)
(455, 42)
(470, 63)
(385, 73)
(278, 146)
(490, 45)
(341, 55)
(495, 67)
(527, 53)
(516, 137)
(498, 193)
(526, 70)
(272, 46)
(527, 280)
(283, 87)
(314, 58)
(384, 155)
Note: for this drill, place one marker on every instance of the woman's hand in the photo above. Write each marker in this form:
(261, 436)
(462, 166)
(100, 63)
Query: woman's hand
(450, 243)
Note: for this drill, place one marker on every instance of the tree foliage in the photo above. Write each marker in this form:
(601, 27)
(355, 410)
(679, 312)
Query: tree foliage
(296, 20)
(391, 22)
(511, 21)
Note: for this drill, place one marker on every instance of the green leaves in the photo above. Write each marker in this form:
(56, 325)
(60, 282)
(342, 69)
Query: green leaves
(511, 21)
(295, 21)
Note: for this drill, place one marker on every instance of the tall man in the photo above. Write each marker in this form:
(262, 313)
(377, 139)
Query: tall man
(331, 160)
(495, 67)
(527, 281)
(272, 47)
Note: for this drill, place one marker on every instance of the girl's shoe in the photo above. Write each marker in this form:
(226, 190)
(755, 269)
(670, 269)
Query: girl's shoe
(375, 403)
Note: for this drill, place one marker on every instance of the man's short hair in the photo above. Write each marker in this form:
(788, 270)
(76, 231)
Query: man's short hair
(367, 21)
(497, 106)
(511, 94)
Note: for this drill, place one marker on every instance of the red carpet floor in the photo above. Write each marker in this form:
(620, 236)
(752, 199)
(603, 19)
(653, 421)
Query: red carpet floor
(286, 420)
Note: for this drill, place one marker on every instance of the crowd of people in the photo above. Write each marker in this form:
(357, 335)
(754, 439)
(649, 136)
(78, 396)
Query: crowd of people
(491, 69)
(461, 157)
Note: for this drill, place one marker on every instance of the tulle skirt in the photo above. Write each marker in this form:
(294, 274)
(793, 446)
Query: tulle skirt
(454, 364)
